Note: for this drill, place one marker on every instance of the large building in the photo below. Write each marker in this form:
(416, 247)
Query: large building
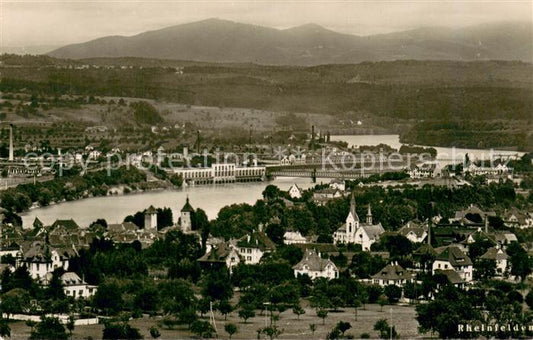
(314, 266)
(252, 247)
(452, 258)
(392, 274)
(42, 259)
(221, 173)
(357, 232)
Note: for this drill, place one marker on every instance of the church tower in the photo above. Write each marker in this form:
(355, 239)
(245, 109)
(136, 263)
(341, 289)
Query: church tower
(185, 218)
(369, 215)
(352, 220)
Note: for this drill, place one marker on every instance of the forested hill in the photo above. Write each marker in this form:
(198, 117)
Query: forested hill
(399, 92)
(216, 40)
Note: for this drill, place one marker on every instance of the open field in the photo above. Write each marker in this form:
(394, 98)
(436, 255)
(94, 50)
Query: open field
(403, 318)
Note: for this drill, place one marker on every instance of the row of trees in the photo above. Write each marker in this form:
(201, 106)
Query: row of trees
(68, 187)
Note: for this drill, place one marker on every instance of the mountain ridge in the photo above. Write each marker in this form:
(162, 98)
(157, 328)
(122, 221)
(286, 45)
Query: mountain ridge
(217, 40)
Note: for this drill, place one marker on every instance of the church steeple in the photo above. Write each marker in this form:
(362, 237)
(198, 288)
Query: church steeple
(369, 215)
(352, 208)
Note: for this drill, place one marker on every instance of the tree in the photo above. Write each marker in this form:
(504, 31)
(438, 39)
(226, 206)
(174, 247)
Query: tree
(298, 310)
(356, 304)
(246, 312)
(101, 222)
(393, 293)
(323, 314)
(15, 301)
(343, 326)
(230, 329)
(55, 288)
(187, 316)
(200, 222)
(382, 326)
(5, 330)
(70, 325)
(446, 311)
(271, 192)
(217, 285)
(312, 328)
(176, 296)
(275, 232)
(519, 259)
(164, 218)
(49, 328)
(225, 308)
(203, 306)
(484, 269)
(382, 301)
(120, 331)
(154, 332)
(272, 331)
(108, 298)
(31, 324)
(529, 299)
(202, 328)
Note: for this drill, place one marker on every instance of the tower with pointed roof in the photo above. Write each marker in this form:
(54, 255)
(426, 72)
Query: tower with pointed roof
(352, 220)
(185, 217)
(355, 231)
(369, 215)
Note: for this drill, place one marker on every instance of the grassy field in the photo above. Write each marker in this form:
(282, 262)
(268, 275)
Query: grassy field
(403, 318)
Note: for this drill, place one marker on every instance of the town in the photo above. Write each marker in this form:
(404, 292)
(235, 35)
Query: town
(334, 251)
(266, 170)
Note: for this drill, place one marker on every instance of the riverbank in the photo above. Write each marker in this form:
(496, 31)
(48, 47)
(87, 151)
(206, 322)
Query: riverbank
(445, 155)
(114, 208)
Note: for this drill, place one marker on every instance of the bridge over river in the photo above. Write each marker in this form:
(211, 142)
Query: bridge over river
(335, 170)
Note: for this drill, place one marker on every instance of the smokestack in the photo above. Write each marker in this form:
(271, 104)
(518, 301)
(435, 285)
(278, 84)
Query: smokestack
(198, 141)
(313, 137)
(11, 142)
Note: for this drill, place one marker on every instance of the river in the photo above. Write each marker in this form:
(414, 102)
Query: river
(210, 198)
(113, 209)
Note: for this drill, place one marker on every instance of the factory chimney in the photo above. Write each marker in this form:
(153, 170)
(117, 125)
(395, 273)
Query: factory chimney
(11, 142)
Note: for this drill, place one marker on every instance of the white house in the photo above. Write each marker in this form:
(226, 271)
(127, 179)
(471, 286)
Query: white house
(414, 232)
(221, 255)
(517, 219)
(392, 274)
(353, 231)
(42, 259)
(338, 184)
(74, 286)
(314, 266)
(454, 259)
(425, 170)
(295, 191)
(294, 237)
(499, 256)
(252, 247)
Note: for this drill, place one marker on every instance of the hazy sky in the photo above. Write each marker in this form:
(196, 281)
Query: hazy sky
(30, 23)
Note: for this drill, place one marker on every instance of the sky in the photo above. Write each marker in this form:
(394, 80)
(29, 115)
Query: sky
(38, 23)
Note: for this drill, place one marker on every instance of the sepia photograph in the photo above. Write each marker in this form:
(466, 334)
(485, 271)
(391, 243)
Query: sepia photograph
(266, 169)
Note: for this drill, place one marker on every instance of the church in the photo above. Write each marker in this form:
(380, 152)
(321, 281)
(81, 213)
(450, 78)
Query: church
(357, 232)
